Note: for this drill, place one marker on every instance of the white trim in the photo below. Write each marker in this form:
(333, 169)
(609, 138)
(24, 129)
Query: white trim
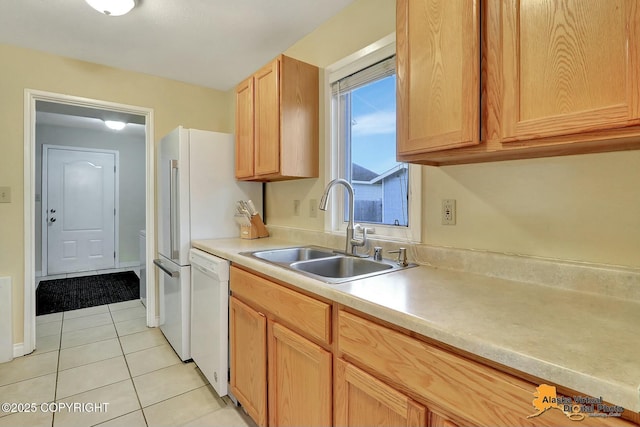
(353, 63)
(383, 175)
(18, 350)
(129, 264)
(45, 200)
(30, 98)
(369, 55)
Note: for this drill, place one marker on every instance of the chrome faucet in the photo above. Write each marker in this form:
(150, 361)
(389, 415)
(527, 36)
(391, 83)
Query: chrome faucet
(352, 243)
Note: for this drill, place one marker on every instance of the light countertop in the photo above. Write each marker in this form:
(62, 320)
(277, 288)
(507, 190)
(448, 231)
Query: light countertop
(586, 342)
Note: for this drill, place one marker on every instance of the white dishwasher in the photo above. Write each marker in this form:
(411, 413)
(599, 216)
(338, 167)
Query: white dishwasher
(209, 317)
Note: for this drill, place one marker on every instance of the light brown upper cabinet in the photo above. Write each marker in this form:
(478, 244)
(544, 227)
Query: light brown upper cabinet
(556, 77)
(569, 66)
(244, 129)
(277, 122)
(438, 63)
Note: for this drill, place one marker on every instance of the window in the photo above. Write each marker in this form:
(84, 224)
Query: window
(363, 121)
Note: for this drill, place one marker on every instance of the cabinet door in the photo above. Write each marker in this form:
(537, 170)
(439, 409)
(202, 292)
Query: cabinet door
(299, 380)
(248, 359)
(267, 119)
(244, 129)
(362, 400)
(437, 420)
(568, 66)
(438, 75)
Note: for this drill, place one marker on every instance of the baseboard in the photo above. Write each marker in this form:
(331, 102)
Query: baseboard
(18, 349)
(129, 264)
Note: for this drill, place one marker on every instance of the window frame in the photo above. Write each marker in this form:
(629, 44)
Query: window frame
(335, 156)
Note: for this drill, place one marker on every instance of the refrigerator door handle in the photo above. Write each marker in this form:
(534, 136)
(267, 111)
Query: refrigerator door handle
(173, 210)
(158, 263)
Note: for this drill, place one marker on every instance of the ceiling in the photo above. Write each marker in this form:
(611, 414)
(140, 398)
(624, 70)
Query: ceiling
(212, 43)
(75, 116)
(81, 111)
(85, 122)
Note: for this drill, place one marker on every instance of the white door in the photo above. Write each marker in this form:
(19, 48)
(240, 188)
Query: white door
(80, 210)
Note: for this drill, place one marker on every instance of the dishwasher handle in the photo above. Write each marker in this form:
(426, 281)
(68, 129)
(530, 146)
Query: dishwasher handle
(211, 273)
(174, 273)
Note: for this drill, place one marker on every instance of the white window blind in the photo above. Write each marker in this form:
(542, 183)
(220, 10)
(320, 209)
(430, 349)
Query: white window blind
(384, 68)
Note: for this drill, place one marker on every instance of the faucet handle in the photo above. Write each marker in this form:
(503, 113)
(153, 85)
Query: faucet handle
(364, 230)
(402, 256)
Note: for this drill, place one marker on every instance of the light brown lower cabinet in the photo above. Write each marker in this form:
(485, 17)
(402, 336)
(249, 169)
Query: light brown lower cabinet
(248, 359)
(299, 380)
(279, 375)
(470, 393)
(437, 420)
(362, 400)
(289, 367)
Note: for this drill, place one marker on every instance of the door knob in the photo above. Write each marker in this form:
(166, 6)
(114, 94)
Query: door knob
(52, 211)
(52, 220)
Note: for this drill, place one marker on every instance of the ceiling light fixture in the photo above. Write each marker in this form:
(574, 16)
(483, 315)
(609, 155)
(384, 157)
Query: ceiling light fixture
(112, 7)
(114, 124)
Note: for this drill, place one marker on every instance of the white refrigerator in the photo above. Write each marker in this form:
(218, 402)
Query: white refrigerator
(197, 193)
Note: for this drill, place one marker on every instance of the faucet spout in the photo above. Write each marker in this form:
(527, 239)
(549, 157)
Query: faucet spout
(352, 243)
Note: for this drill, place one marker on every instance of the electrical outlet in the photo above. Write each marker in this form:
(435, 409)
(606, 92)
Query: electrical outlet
(5, 194)
(296, 208)
(313, 208)
(448, 212)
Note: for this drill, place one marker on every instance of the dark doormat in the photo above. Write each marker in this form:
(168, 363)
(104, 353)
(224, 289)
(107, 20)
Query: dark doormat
(54, 296)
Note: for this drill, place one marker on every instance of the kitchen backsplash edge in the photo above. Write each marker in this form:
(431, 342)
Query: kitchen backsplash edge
(606, 280)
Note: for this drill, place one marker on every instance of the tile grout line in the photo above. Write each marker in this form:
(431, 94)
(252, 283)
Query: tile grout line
(58, 357)
(119, 416)
(206, 384)
(55, 389)
(89, 363)
(126, 362)
(89, 343)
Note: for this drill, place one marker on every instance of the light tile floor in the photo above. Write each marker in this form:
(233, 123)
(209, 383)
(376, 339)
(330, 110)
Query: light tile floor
(107, 355)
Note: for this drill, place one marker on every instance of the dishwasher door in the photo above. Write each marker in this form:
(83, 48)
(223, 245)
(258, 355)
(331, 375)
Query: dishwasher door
(209, 317)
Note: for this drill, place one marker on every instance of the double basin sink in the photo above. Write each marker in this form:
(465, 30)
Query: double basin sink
(325, 264)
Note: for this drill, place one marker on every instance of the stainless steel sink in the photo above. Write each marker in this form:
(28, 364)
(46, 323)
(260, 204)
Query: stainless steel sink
(325, 264)
(289, 255)
(341, 267)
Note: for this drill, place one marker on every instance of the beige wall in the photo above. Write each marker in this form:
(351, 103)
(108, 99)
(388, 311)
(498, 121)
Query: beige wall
(584, 208)
(174, 103)
(358, 25)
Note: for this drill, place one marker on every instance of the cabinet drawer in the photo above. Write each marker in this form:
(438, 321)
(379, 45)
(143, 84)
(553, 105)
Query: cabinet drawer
(477, 393)
(305, 314)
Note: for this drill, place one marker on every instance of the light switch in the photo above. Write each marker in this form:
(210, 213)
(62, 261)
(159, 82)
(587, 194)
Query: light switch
(5, 194)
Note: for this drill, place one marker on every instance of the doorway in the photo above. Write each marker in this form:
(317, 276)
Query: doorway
(32, 197)
(80, 209)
